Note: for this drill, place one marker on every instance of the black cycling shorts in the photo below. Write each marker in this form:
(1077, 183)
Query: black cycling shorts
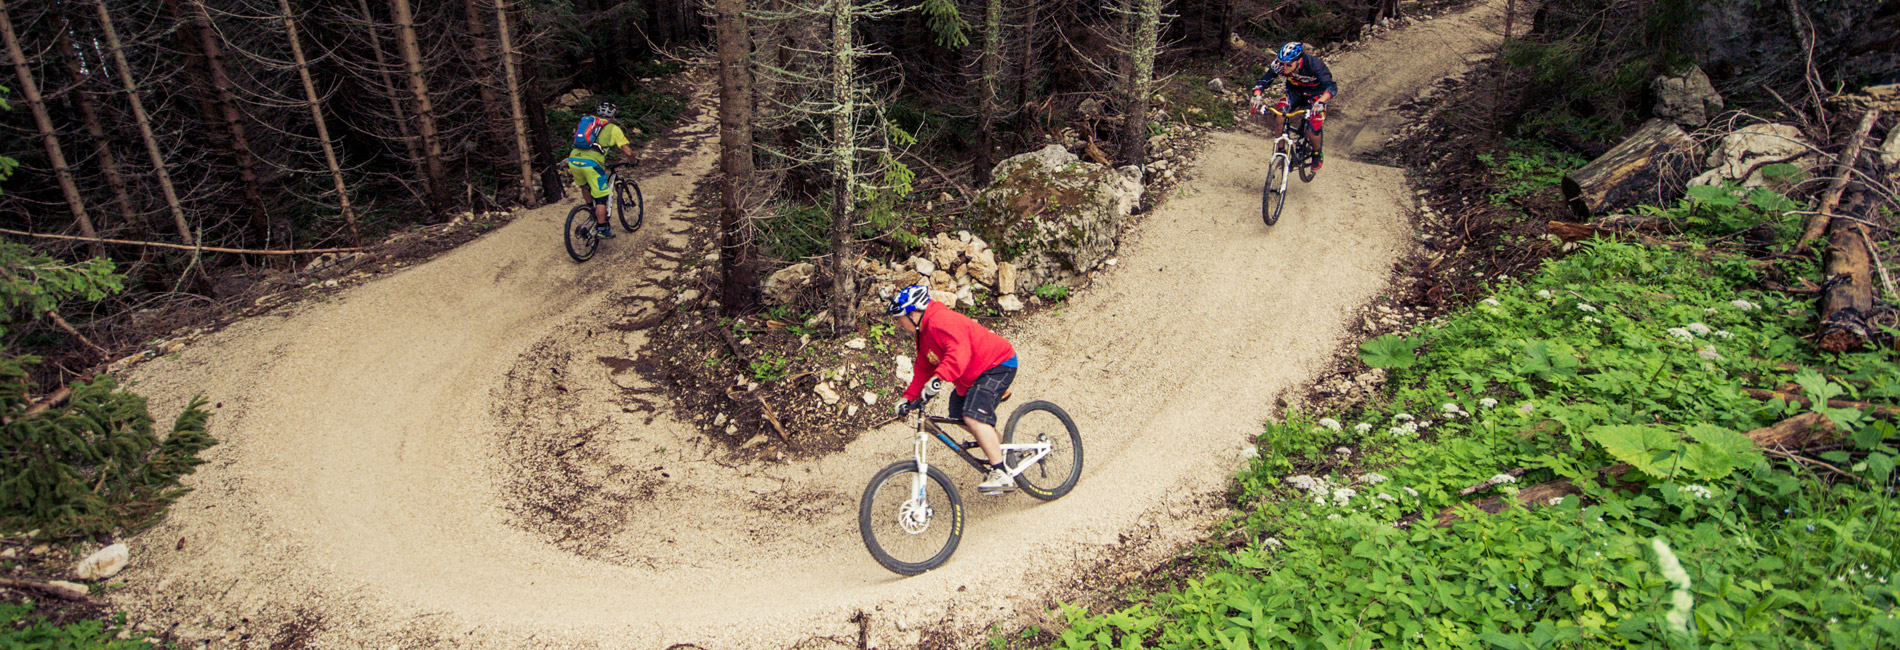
(980, 403)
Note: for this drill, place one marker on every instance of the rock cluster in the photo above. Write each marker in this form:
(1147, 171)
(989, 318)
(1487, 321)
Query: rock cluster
(1686, 98)
(961, 269)
(1055, 216)
(1742, 155)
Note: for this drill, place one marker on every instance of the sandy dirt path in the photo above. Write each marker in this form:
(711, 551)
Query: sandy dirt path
(439, 458)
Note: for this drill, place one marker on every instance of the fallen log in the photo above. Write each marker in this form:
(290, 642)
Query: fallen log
(1879, 410)
(1648, 167)
(56, 588)
(1847, 305)
(1843, 171)
(1639, 228)
(1798, 432)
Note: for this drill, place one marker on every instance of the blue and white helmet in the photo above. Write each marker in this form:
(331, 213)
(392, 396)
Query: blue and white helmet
(912, 298)
(1291, 51)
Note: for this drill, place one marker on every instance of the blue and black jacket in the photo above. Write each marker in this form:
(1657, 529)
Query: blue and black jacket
(1309, 79)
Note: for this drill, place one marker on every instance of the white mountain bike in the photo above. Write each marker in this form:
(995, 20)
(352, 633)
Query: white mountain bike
(911, 526)
(1290, 151)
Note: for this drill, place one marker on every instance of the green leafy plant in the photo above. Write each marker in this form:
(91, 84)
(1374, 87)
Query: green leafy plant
(769, 366)
(1527, 168)
(20, 629)
(1664, 454)
(1389, 351)
(1052, 292)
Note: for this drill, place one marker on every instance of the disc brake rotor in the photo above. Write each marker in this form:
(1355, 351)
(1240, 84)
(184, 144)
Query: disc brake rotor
(914, 517)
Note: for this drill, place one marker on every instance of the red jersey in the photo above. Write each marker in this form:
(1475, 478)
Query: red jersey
(951, 346)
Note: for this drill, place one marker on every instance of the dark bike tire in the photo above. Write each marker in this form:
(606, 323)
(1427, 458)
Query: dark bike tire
(1306, 164)
(1042, 485)
(579, 233)
(1272, 198)
(902, 471)
(627, 193)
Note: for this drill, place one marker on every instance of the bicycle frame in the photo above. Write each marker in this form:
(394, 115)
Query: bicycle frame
(927, 426)
(1292, 125)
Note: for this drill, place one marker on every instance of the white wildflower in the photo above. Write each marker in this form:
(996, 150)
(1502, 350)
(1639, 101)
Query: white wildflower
(1342, 496)
(1387, 497)
(1699, 491)
(1724, 334)
(1306, 482)
(1332, 516)
(1402, 417)
(1362, 427)
(1681, 334)
(1744, 305)
(1488, 402)
(1543, 293)
(1329, 423)
(1526, 408)
(1491, 301)
(1699, 329)
(1584, 306)
(1709, 354)
(1592, 319)
(1680, 601)
(1554, 501)
(1320, 500)
(1373, 478)
(1503, 478)
(1271, 542)
(1453, 409)
(1410, 491)
(1250, 452)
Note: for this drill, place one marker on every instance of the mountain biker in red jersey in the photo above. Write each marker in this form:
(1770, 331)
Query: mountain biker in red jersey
(1308, 85)
(954, 349)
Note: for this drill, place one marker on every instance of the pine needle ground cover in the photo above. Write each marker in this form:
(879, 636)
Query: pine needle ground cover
(1618, 353)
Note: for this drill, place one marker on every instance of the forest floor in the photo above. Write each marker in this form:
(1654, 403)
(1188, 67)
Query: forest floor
(466, 453)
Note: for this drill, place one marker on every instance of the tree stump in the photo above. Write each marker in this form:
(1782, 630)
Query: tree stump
(1650, 166)
(1848, 305)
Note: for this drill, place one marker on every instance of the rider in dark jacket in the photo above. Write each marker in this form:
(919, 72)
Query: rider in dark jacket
(1308, 85)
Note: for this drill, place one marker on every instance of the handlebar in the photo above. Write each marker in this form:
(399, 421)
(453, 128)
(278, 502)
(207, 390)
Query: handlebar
(1269, 109)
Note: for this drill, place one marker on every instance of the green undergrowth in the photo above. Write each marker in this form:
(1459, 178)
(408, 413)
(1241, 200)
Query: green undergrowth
(1618, 353)
(21, 630)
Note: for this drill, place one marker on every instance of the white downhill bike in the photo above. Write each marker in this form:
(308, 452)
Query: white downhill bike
(911, 516)
(1291, 151)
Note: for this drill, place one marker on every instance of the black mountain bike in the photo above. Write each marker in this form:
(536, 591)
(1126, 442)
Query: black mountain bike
(1290, 151)
(912, 527)
(624, 201)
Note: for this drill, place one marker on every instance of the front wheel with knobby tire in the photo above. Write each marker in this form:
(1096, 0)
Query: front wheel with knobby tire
(1042, 422)
(632, 206)
(1272, 195)
(910, 522)
(580, 237)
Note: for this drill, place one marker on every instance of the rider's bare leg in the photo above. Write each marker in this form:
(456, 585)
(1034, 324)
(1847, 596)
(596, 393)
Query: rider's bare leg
(1318, 138)
(600, 209)
(987, 438)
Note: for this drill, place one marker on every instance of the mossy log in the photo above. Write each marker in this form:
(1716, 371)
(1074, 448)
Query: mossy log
(1650, 166)
(1798, 432)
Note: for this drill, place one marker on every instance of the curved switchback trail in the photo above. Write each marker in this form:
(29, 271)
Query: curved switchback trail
(439, 459)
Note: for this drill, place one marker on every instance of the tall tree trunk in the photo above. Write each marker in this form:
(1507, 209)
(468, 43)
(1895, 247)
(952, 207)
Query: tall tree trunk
(492, 109)
(1030, 66)
(844, 154)
(145, 125)
(394, 92)
(516, 119)
(316, 115)
(1141, 68)
(739, 283)
(986, 89)
(108, 163)
(425, 111)
(48, 137)
(212, 51)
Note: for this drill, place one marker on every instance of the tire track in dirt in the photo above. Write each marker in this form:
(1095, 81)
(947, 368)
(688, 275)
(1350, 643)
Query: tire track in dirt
(441, 458)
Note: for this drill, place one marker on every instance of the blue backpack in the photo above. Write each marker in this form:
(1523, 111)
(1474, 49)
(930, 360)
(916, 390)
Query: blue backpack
(587, 133)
